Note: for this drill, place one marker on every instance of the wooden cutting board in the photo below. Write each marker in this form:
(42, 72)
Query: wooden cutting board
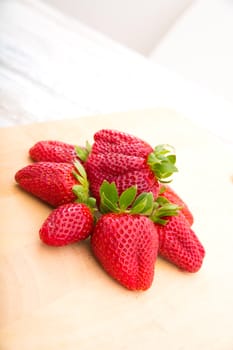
(60, 298)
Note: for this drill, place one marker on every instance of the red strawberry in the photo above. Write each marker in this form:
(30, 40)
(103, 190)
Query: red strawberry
(118, 142)
(69, 223)
(56, 151)
(54, 183)
(126, 246)
(126, 243)
(128, 161)
(119, 163)
(179, 244)
(143, 178)
(117, 137)
(167, 192)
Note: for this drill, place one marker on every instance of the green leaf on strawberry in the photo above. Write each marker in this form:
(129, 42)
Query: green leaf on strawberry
(79, 191)
(82, 189)
(163, 209)
(107, 205)
(83, 152)
(109, 190)
(127, 197)
(162, 162)
(143, 204)
(126, 202)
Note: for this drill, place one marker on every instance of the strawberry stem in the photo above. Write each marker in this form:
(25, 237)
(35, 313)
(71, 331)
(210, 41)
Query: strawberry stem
(163, 208)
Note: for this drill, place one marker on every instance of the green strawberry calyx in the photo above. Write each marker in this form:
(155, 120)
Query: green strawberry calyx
(162, 209)
(162, 162)
(129, 202)
(81, 190)
(83, 152)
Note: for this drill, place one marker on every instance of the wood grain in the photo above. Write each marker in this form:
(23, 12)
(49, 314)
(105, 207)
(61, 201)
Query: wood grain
(60, 298)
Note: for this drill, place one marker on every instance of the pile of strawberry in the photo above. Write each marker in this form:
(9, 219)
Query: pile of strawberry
(116, 192)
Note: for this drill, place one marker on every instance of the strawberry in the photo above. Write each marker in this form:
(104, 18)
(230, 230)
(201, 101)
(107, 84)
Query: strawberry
(119, 163)
(142, 178)
(127, 160)
(167, 192)
(57, 151)
(125, 241)
(112, 141)
(69, 223)
(178, 243)
(54, 183)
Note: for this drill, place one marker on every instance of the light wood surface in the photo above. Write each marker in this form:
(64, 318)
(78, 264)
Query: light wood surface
(60, 298)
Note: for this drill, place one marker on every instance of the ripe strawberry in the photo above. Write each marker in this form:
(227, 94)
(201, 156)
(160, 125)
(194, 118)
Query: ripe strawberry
(167, 192)
(142, 178)
(117, 137)
(179, 244)
(119, 163)
(112, 141)
(128, 161)
(54, 183)
(69, 223)
(124, 241)
(57, 151)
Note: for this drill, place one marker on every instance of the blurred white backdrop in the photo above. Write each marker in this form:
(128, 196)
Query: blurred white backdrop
(199, 46)
(181, 57)
(191, 37)
(136, 24)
